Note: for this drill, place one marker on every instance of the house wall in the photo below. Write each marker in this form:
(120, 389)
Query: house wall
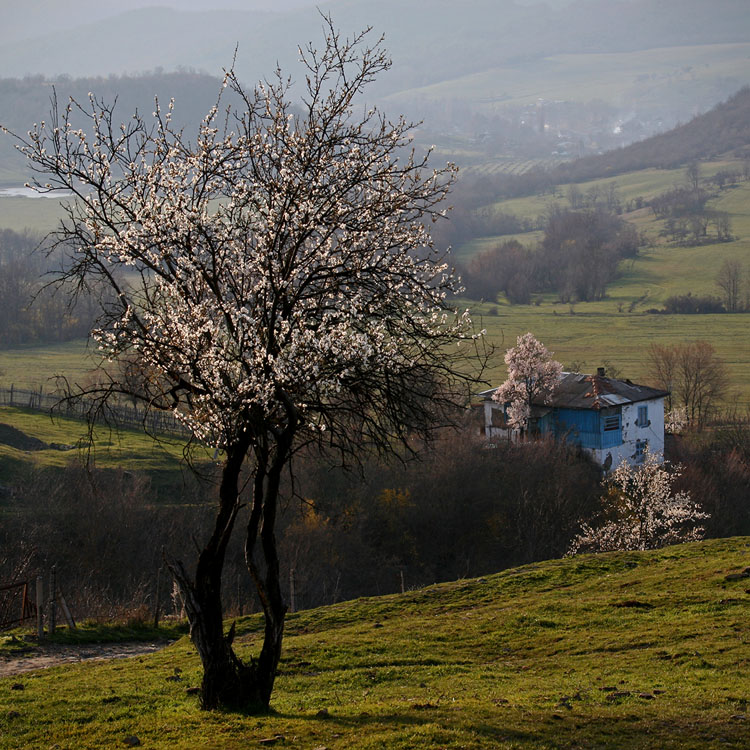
(633, 434)
(588, 433)
(493, 419)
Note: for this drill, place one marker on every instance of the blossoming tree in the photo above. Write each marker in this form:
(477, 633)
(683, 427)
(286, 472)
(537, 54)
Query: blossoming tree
(276, 282)
(531, 373)
(640, 511)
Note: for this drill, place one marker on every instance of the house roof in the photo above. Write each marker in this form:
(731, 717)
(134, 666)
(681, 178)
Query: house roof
(577, 391)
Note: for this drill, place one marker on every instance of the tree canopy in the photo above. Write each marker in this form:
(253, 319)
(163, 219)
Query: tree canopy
(276, 282)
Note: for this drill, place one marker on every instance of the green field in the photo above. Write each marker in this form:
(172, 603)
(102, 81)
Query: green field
(32, 367)
(627, 650)
(68, 440)
(36, 214)
(589, 333)
(586, 334)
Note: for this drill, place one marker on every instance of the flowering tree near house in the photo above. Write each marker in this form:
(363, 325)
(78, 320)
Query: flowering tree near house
(640, 512)
(531, 373)
(276, 283)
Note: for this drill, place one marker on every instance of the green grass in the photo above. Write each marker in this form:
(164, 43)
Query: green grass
(627, 650)
(21, 640)
(38, 214)
(591, 336)
(35, 366)
(607, 329)
(162, 459)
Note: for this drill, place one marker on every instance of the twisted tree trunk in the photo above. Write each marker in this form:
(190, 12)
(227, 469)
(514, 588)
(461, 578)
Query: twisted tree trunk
(228, 682)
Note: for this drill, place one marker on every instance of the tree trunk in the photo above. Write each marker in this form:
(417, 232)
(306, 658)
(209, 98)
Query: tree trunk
(227, 681)
(261, 525)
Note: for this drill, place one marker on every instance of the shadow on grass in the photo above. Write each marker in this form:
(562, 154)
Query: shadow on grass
(557, 728)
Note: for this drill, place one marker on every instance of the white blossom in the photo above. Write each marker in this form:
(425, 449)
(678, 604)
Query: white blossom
(532, 373)
(640, 511)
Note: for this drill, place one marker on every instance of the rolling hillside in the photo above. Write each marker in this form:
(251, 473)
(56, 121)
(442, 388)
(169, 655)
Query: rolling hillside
(617, 651)
(618, 329)
(463, 68)
(725, 129)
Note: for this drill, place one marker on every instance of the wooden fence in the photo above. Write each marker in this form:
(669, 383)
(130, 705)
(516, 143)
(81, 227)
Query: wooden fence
(119, 415)
(25, 600)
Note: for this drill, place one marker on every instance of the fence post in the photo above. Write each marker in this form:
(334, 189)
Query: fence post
(292, 597)
(66, 611)
(39, 607)
(157, 598)
(52, 598)
(11, 394)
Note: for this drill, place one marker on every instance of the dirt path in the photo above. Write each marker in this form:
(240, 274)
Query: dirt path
(50, 655)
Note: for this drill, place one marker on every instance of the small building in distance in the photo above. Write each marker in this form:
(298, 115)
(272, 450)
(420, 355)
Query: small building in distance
(611, 419)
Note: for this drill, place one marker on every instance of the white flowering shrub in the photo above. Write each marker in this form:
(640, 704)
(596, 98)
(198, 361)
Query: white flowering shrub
(274, 278)
(640, 511)
(531, 373)
(676, 421)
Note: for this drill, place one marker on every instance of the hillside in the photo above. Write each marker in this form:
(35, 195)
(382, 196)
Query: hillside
(605, 72)
(428, 38)
(625, 650)
(724, 129)
(27, 101)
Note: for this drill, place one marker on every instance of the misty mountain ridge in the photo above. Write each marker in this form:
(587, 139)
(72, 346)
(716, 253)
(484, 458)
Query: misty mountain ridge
(429, 40)
(474, 72)
(723, 130)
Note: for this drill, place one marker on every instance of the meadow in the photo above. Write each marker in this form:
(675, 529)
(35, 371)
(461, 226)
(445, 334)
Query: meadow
(617, 329)
(620, 650)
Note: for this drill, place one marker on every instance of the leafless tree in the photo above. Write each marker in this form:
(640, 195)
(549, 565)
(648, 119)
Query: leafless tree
(693, 175)
(730, 280)
(662, 364)
(693, 374)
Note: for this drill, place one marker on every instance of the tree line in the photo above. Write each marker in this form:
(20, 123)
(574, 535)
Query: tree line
(464, 508)
(577, 257)
(30, 311)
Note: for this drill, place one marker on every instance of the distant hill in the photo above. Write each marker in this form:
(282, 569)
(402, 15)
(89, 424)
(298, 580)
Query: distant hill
(26, 101)
(430, 40)
(460, 67)
(725, 128)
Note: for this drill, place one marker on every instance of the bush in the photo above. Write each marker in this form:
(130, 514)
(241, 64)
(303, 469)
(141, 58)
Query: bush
(687, 304)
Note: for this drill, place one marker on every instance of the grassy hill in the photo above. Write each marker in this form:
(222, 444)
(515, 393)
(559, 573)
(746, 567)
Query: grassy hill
(624, 650)
(616, 329)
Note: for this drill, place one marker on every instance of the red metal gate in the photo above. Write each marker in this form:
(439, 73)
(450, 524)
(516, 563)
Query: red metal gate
(15, 604)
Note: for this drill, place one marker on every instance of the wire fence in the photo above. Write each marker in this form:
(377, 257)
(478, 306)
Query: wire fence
(117, 415)
(16, 605)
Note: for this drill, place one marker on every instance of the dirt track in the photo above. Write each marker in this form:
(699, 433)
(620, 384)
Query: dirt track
(50, 655)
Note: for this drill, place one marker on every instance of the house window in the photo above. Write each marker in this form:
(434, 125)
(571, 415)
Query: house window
(642, 416)
(611, 430)
(640, 450)
(612, 423)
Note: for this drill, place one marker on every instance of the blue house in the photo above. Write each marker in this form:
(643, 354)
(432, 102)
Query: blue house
(612, 419)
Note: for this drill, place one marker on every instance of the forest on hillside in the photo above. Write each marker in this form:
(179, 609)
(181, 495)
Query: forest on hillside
(463, 509)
